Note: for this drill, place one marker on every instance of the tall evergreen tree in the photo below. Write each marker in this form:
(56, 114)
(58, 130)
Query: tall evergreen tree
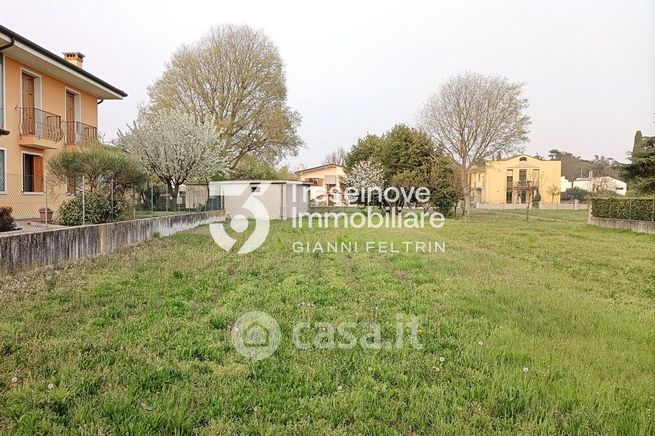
(640, 172)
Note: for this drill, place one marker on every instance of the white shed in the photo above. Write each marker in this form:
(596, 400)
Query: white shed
(265, 199)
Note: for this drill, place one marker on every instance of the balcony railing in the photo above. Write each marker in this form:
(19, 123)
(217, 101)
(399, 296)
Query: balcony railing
(80, 134)
(40, 123)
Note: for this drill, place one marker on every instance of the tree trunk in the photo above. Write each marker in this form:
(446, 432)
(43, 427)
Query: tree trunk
(466, 204)
(174, 193)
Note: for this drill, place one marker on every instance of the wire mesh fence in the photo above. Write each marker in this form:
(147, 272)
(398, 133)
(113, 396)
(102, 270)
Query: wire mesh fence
(42, 200)
(29, 197)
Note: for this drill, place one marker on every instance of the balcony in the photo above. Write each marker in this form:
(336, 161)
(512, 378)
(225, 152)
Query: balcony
(80, 134)
(39, 128)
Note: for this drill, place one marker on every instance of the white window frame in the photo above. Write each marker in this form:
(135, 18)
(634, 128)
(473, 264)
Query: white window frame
(22, 172)
(78, 112)
(78, 104)
(38, 101)
(4, 91)
(4, 173)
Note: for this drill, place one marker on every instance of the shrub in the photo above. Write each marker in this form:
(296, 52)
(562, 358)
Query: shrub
(575, 194)
(624, 208)
(97, 210)
(6, 220)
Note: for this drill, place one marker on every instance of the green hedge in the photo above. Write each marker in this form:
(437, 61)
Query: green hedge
(640, 208)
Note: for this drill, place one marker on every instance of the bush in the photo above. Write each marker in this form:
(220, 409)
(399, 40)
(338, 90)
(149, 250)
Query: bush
(6, 220)
(575, 194)
(624, 208)
(445, 201)
(98, 210)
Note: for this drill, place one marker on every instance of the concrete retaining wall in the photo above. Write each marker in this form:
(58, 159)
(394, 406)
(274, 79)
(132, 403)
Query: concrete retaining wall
(30, 251)
(615, 223)
(542, 205)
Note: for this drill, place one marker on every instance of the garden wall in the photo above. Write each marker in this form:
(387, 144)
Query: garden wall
(542, 205)
(29, 251)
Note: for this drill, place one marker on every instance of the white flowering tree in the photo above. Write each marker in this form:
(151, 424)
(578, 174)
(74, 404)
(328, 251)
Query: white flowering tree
(174, 148)
(365, 177)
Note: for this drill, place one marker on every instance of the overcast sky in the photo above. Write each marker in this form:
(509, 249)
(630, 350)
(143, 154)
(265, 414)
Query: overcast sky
(358, 67)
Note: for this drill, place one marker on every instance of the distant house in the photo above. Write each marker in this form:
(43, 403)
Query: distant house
(564, 184)
(600, 184)
(193, 196)
(495, 182)
(325, 183)
(273, 199)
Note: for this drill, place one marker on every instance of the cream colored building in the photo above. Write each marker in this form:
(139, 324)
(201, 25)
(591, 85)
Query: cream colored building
(600, 184)
(496, 181)
(264, 199)
(326, 183)
(48, 103)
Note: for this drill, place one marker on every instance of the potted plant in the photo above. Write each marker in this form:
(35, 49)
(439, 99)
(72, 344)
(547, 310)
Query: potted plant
(43, 212)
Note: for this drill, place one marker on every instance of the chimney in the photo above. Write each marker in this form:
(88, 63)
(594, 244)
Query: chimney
(74, 57)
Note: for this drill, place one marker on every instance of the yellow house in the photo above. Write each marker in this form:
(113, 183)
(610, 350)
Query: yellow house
(48, 103)
(326, 183)
(497, 181)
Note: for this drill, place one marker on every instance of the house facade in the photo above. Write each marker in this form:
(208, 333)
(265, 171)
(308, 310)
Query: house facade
(325, 183)
(48, 103)
(499, 182)
(263, 199)
(600, 184)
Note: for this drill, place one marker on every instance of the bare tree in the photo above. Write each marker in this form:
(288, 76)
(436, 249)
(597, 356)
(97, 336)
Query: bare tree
(336, 157)
(174, 148)
(474, 117)
(553, 190)
(235, 76)
(526, 189)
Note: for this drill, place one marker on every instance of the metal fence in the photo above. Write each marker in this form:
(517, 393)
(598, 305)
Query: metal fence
(28, 196)
(36, 200)
(192, 197)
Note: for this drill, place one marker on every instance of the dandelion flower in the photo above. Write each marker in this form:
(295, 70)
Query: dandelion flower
(339, 388)
(50, 386)
(481, 343)
(438, 369)
(14, 379)
(442, 359)
(525, 369)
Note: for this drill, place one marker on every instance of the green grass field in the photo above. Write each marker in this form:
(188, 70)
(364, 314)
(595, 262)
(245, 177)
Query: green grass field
(530, 327)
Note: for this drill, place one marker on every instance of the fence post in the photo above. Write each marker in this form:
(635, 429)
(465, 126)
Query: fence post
(590, 212)
(83, 203)
(152, 200)
(133, 202)
(652, 218)
(45, 190)
(112, 199)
